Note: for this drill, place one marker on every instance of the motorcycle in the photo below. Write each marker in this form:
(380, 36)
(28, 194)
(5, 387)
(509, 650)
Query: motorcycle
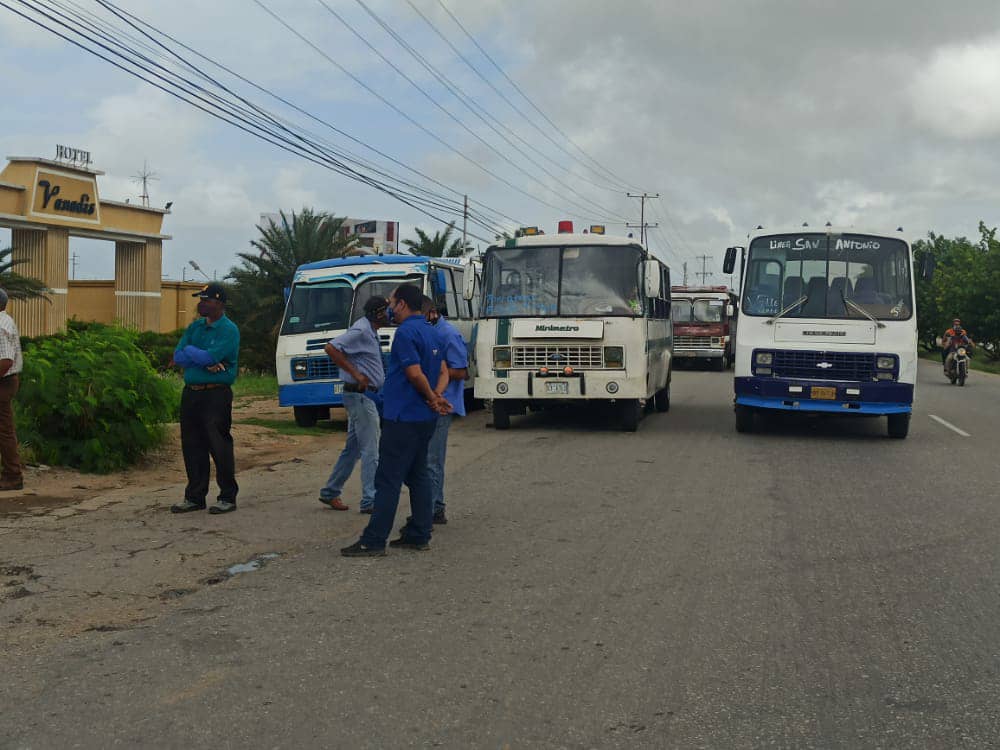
(958, 369)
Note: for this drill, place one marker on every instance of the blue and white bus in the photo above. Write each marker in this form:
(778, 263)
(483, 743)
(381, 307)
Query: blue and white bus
(328, 296)
(828, 325)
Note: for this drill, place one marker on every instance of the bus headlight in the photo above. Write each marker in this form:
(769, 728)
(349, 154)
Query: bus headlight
(502, 388)
(614, 357)
(501, 357)
(612, 387)
(300, 369)
(885, 363)
(764, 358)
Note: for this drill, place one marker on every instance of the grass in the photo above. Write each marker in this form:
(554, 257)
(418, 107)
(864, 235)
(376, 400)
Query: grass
(255, 385)
(288, 427)
(978, 361)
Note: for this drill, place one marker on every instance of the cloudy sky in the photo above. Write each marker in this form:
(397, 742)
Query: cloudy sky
(876, 113)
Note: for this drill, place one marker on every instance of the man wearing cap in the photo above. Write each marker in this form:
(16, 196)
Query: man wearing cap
(208, 352)
(358, 355)
(11, 362)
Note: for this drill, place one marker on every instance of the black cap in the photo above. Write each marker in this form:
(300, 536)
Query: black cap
(212, 291)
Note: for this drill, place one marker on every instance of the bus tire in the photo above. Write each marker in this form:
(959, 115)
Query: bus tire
(501, 416)
(630, 411)
(662, 399)
(899, 425)
(744, 418)
(305, 416)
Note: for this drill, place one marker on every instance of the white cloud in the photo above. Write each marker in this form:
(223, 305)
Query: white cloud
(956, 92)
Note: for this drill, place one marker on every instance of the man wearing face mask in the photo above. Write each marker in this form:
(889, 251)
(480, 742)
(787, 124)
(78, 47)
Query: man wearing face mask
(208, 352)
(456, 357)
(358, 354)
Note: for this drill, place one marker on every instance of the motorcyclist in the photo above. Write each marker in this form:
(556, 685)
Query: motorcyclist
(953, 338)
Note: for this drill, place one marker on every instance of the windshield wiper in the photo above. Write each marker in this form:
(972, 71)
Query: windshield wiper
(863, 311)
(799, 301)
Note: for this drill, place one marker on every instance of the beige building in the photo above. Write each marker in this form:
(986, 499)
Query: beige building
(45, 203)
(96, 300)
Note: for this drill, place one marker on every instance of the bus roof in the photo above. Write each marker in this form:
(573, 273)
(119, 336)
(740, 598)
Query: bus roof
(543, 240)
(377, 260)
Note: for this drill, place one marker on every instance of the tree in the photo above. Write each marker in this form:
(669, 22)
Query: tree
(438, 246)
(257, 299)
(16, 285)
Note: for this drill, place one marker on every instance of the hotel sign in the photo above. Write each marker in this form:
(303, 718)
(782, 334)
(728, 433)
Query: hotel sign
(75, 156)
(65, 196)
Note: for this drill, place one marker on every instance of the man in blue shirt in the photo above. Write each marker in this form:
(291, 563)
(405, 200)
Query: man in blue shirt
(358, 354)
(456, 358)
(208, 351)
(411, 406)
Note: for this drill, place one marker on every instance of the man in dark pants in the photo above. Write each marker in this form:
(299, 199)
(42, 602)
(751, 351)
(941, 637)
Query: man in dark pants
(208, 352)
(410, 410)
(11, 362)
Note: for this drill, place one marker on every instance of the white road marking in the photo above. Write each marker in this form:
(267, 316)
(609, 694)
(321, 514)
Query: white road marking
(949, 425)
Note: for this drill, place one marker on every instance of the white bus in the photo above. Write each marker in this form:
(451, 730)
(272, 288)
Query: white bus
(573, 318)
(827, 325)
(328, 296)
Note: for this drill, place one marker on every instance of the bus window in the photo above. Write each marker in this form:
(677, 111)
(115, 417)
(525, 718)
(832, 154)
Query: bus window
(463, 306)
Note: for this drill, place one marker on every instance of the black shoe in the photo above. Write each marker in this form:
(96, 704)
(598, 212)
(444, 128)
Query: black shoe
(223, 506)
(404, 543)
(187, 507)
(367, 511)
(359, 550)
(440, 518)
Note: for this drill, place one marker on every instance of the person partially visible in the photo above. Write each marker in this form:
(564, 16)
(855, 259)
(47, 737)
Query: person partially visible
(358, 354)
(11, 362)
(953, 338)
(208, 351)
(456, 358)
(411, 405)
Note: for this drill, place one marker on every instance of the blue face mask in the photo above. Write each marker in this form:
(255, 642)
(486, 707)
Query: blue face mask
(390, 315)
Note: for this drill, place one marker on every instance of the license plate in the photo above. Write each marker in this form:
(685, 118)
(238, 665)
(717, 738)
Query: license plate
(338, 388)
(825, 393)
(557, 387)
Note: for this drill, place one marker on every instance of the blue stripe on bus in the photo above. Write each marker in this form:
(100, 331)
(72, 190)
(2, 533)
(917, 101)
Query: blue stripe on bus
(308, 394)
(874, 398)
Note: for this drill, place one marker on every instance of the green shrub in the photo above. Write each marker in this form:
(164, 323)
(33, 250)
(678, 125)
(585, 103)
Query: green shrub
(159, 347)
(91, 399)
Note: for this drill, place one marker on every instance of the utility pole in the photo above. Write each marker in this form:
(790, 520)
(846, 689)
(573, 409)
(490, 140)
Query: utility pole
(74, 259)
(643, 197)
(685, 273)
(465, 221)
(704, 273)
(642, 230)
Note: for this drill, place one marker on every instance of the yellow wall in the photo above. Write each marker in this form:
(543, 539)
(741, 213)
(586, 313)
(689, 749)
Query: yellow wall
(95, 300)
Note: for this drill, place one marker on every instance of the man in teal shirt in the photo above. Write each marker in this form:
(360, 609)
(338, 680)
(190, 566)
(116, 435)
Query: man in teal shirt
(208, 351)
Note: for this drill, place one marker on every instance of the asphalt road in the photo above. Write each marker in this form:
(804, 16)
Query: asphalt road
(814, 585)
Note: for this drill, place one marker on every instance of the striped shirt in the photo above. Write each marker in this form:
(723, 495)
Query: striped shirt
(10, 343)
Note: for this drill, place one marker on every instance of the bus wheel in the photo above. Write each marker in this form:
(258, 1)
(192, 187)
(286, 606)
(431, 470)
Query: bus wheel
(630, 412)
(662, 399)
(305, 416)
(744, 418)
(501, 416)
(899, 425)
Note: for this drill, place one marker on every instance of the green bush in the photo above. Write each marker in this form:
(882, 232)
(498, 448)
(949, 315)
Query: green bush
(91, 399)
(159, 347)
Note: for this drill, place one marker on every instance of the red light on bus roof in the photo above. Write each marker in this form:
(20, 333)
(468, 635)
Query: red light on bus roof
(565, 227)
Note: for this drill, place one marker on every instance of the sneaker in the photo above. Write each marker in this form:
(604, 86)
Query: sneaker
(333, 502)
(404, 543)
(440, 518)
(223, 506)
(187, 506)
(359, 550)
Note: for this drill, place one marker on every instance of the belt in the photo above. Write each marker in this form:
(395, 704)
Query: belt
(206, 386)
(353, 388)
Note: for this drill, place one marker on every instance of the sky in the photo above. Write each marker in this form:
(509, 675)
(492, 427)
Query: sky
(737, 114)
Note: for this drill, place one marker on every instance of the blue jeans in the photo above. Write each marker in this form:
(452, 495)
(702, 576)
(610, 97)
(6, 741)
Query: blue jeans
(402, 459)
(362, 442)
(436, 451)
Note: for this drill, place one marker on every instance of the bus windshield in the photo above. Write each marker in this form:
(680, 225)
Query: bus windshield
(335, 305)
(697, 311)
(821, 276)
(598, 280)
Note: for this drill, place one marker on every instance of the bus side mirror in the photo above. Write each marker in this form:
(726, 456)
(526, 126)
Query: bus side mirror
(927, 270)
(729, 264)
(469, 285)
(730, 310)
(652, 269)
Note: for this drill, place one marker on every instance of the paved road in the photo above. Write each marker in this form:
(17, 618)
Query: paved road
(817, 585)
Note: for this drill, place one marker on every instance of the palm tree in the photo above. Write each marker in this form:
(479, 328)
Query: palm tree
(16, 285)
(438, 246)
(258, 289)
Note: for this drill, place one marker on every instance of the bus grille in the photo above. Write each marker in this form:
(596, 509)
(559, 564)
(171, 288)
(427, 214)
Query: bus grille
(577, 357)
(812, 365)
(692, 342)
(318, 368)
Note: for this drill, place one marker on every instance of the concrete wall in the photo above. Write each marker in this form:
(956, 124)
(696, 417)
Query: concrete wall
(96, 300)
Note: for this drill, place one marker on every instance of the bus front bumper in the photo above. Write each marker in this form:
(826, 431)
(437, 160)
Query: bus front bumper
(836, 397)
(311, 394)
(527, 385)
